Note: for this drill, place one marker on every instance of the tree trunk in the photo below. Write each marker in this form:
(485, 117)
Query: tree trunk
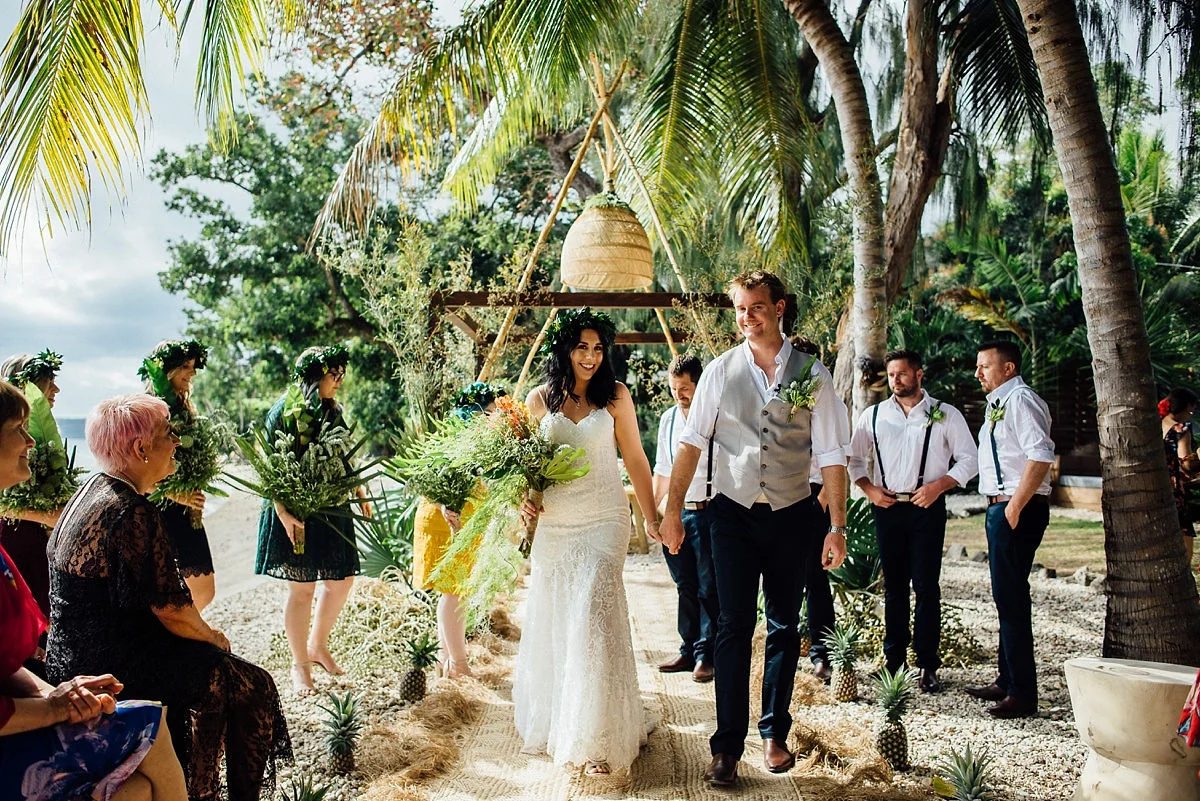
(869, 315)
(926, 111)
(1152, 610)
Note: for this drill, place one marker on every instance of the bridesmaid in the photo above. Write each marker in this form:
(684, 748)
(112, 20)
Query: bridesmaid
(25, 536)
(181, 359)
(329, 555)
(433, 529)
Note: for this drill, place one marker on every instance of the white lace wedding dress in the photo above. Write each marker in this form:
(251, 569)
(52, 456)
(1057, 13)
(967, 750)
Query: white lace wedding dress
(576, 689)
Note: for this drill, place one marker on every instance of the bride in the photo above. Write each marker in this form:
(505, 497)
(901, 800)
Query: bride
(576, 689)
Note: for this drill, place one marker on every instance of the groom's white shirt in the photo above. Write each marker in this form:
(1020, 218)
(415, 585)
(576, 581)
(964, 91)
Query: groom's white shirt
(830, 428)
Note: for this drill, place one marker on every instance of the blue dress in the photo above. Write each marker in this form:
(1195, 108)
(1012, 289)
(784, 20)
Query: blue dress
(74, 761)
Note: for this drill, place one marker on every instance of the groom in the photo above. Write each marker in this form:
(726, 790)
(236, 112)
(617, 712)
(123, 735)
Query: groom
(770, 410)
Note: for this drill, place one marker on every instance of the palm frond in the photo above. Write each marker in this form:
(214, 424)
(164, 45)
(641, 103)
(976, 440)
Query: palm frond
(557, 37)
(73, 101)
(993, 59)
(233, 39)
(675, 134)
(459, 68)
(976, 304)
(763, 171)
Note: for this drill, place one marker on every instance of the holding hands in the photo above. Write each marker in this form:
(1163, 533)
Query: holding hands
(84, 698)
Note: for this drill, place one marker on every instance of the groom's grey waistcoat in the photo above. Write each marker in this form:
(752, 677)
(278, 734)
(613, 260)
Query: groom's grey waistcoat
(758, 450)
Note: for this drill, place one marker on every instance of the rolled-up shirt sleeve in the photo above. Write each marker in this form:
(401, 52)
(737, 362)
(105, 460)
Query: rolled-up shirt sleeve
(860, 448)
(663, 458)
(705, 403)
(962, 447)
(1031, 423)
(830, 422)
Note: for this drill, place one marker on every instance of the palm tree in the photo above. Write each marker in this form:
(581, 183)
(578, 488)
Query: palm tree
(73, 101)
(1152, 611)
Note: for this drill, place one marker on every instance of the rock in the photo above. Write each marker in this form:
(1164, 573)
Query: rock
(1083, 576)
(1100, 585)
(956, 551)
(1049, 573)
(979, 556)
(1037, 567)
(1041, 571)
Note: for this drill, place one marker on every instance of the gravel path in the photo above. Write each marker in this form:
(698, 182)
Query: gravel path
(1038, 758)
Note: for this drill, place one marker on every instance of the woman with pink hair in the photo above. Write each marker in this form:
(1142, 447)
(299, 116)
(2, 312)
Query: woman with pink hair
(74, 740)
(118, 601)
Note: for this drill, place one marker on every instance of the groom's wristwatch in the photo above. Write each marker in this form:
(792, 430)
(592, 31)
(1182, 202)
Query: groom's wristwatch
(838, 530)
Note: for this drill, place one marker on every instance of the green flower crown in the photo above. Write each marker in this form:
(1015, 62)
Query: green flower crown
(569, 324)
(173, 354)
(45, 365)
(476, 398)
(325, 360)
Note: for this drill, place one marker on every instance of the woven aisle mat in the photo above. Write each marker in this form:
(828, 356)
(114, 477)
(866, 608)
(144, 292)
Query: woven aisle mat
(672, 763)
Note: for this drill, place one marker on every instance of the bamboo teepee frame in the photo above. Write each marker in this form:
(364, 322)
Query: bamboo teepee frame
(603, 93)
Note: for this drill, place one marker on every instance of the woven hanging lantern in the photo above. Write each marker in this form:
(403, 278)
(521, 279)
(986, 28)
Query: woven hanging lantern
(607, 248)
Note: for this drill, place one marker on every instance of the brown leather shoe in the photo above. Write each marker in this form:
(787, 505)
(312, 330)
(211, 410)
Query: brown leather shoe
(1012, 707)
(722, 771)
(821, 671)
(776, 756)
(991, 692)
(704, 672)
(680, 664)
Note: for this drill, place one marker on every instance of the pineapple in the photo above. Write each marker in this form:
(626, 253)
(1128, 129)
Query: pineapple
(806, 640)
(895, 694)
(843, 653)
(422, 653)
(969, 774)
(304, 790)
(343, 726)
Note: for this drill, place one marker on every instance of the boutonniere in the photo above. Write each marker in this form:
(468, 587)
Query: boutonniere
(935, 415)
(995, 414)
(801, 392)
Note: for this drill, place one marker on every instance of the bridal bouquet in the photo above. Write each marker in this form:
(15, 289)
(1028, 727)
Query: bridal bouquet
(509, 449)
(55, 479)
(199, 460)
(306, 466)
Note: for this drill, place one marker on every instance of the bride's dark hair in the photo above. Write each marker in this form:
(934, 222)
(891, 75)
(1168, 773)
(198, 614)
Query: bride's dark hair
(561, 339)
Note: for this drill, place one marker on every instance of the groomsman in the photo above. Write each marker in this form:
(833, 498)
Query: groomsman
(816, 582)
(921, 448)
(1015, 454)
(770, 411)
(692, 567)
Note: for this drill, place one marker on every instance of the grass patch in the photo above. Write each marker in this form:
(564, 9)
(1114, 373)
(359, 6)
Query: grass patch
(1069, 544)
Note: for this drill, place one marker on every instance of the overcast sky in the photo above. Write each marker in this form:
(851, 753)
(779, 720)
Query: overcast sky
(95, 297)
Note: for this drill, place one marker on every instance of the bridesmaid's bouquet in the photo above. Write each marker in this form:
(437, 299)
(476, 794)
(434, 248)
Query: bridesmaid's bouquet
(54, 476)
(199, 460)
(55, 479)
(306, 467)
(509, 449)
(426, 468)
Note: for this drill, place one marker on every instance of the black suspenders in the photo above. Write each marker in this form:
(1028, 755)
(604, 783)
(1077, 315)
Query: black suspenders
(879, 454)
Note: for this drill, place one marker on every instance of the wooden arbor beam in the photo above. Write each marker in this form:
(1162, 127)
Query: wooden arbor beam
(577, 300)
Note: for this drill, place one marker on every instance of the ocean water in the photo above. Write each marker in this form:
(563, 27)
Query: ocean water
(71, 429)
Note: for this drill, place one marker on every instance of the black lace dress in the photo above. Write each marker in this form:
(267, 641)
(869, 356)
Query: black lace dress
(111, 565)
(1179, 478)
(330, 552)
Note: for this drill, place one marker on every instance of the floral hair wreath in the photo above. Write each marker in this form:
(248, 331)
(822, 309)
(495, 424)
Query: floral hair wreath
(45, 365)
(476, 398)
(173, 354)
(325, 360)
(569, 324)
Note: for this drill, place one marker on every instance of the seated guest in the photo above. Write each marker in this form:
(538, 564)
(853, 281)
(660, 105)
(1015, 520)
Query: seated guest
(71, 741)
(118, 603)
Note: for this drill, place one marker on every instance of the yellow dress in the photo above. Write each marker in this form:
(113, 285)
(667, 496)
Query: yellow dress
(431, 539)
